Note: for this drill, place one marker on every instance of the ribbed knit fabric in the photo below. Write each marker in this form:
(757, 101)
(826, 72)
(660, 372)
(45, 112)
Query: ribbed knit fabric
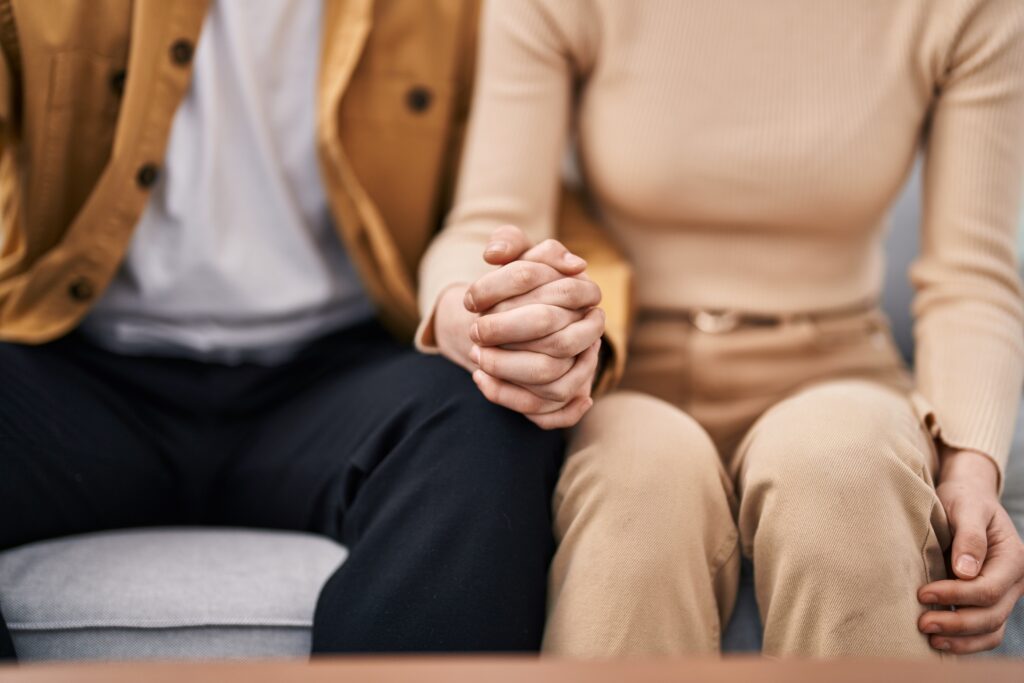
(746, 154)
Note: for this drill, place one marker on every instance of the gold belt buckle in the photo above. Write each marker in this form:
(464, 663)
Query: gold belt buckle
(715, 321)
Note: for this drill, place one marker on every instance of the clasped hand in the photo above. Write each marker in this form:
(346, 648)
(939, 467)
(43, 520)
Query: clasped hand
(530, 331)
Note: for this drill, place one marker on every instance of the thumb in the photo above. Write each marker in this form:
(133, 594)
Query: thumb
(506, 245)
(970, 538)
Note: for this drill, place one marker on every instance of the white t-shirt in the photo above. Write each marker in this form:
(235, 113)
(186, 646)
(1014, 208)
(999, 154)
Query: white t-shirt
(235, 257)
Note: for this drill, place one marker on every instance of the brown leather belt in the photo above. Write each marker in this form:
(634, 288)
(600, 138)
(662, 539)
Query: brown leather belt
(722, 321)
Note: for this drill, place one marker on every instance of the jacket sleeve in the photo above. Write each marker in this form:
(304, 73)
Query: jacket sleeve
(510, 171)
(969, 321)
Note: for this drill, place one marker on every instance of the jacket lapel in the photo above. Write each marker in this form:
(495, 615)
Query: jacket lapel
(347, 24)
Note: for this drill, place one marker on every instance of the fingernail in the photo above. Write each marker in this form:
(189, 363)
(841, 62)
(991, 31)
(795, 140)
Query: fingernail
(967, 565)
(474, 354)
(474, 333)
(943, 645)
(929, 599)
(573, 261)
(468, 302)
(496, 248)
(932, 628)
(478, 376)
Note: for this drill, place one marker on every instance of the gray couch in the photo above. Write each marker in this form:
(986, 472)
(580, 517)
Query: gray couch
(224, 593)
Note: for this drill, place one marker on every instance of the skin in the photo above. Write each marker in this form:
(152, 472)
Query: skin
(530, 331)
(987, 560)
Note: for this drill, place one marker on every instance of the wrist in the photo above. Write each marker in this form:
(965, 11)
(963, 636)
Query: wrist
(968, 467)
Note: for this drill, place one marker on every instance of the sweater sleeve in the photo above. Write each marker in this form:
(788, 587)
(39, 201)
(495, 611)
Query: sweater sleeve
(969, 322)
(516, 139)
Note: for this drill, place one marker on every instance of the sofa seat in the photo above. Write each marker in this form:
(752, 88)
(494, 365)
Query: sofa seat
(165, 594)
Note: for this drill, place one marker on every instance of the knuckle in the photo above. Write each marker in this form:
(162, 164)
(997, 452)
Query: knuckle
(974, 540)
(553, 366)
(522, 274)
(547, 370)
(532, 403)
(561, 396)
(988, 595)
(563, 346)
(562, 365)
(1006, 612)
(547, 318)
(991, 623)
(567, 292)
(584, 293)
(557, 393)
(952, 596)
(551, 246)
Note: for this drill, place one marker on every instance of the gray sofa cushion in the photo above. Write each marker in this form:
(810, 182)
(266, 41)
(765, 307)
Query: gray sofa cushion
(165, 593)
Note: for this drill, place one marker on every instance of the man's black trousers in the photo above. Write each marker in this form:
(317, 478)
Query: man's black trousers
(442, 498)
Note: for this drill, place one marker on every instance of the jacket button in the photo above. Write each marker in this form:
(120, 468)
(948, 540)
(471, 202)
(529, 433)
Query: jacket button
(181, 52)
(147, 176)
(117, 80)
(418, 99)
(80, 289)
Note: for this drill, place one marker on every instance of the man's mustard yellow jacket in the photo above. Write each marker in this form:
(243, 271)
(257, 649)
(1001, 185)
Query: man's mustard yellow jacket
(88, 91)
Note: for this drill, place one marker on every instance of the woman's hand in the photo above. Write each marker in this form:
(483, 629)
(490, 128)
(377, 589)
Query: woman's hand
(529, 331)
(987, 559)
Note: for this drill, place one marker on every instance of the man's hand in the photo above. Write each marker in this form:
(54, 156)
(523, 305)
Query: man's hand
(529, 331)
(987, 559)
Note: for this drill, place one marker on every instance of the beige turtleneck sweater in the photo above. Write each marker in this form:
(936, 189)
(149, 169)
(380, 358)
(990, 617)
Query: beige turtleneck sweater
(745, 154)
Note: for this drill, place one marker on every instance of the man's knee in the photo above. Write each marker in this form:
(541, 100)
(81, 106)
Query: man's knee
(487, 451)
